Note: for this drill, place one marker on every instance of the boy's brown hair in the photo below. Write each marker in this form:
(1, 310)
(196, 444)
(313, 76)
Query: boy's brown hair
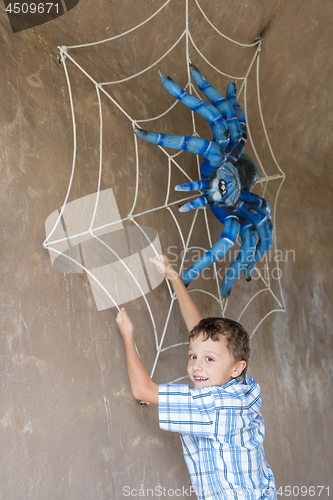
(238, 340)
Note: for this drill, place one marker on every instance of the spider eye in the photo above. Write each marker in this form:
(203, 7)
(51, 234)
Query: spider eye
(223, 188)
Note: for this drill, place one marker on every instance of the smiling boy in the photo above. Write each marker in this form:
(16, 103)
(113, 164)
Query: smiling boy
(214, 359)
(219, 419)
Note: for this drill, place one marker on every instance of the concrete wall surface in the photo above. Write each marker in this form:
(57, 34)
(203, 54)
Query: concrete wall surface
(69, 426)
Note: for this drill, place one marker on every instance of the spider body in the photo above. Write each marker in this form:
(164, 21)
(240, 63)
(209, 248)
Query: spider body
(227, 178)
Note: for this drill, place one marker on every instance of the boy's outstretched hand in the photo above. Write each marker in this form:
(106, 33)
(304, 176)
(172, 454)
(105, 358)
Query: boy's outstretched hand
(163, 266)
(143, 388)
(188, 309)
(124, 324)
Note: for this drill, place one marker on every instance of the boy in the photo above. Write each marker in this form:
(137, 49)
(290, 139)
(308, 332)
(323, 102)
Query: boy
(219, 420)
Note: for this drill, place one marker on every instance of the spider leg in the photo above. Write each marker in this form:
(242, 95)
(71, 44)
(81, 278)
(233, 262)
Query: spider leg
(208, 149)
(263, 246)
(256, 202)
(231, 96)
(218, 250)
(192, 186)
(222, 104)
(193, 205)
(261, 220)
(209, 112)
(206, 169)
(198, 202)
(246, 254)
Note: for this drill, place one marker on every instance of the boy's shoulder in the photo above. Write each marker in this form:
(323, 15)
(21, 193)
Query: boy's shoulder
(240, 388)
(234, 394)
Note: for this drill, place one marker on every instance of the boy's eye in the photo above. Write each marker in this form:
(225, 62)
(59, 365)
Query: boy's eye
(192, 356)
(209, 358)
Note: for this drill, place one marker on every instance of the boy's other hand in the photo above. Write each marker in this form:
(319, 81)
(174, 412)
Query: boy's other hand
(124, 324)
(163, 266)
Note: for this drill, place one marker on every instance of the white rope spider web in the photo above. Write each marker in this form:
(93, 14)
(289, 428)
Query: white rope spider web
(187, 39)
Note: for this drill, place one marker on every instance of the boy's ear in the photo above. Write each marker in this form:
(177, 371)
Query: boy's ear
(238, 369)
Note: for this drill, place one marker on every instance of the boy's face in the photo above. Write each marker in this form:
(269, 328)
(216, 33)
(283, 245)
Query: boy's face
(211, 363)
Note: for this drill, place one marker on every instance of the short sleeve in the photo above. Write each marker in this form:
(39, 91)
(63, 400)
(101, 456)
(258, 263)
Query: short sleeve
(210, 411)
(180, 410)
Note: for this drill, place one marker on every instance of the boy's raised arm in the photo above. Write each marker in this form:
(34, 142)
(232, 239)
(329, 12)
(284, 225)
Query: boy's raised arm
(143, 388)
(189, 310)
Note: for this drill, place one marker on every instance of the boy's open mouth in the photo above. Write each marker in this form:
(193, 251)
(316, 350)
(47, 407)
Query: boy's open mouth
(200, 379)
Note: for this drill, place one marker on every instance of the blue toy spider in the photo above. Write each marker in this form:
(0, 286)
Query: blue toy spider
(228, 177)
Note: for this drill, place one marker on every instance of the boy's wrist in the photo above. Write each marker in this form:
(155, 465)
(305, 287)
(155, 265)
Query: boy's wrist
(172, 275)
(128, 338)
(176, 281)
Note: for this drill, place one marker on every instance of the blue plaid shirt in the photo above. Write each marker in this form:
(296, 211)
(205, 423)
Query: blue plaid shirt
(222, 433)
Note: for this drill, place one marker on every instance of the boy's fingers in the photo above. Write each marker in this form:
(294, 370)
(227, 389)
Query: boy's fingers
(121, 315)
(154, 260)
(159, 258)
(159, 264)
(124, 314)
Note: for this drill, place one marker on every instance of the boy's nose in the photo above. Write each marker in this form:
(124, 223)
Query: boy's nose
(198, 365)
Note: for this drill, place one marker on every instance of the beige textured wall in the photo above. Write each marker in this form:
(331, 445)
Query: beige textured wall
(69, 427)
